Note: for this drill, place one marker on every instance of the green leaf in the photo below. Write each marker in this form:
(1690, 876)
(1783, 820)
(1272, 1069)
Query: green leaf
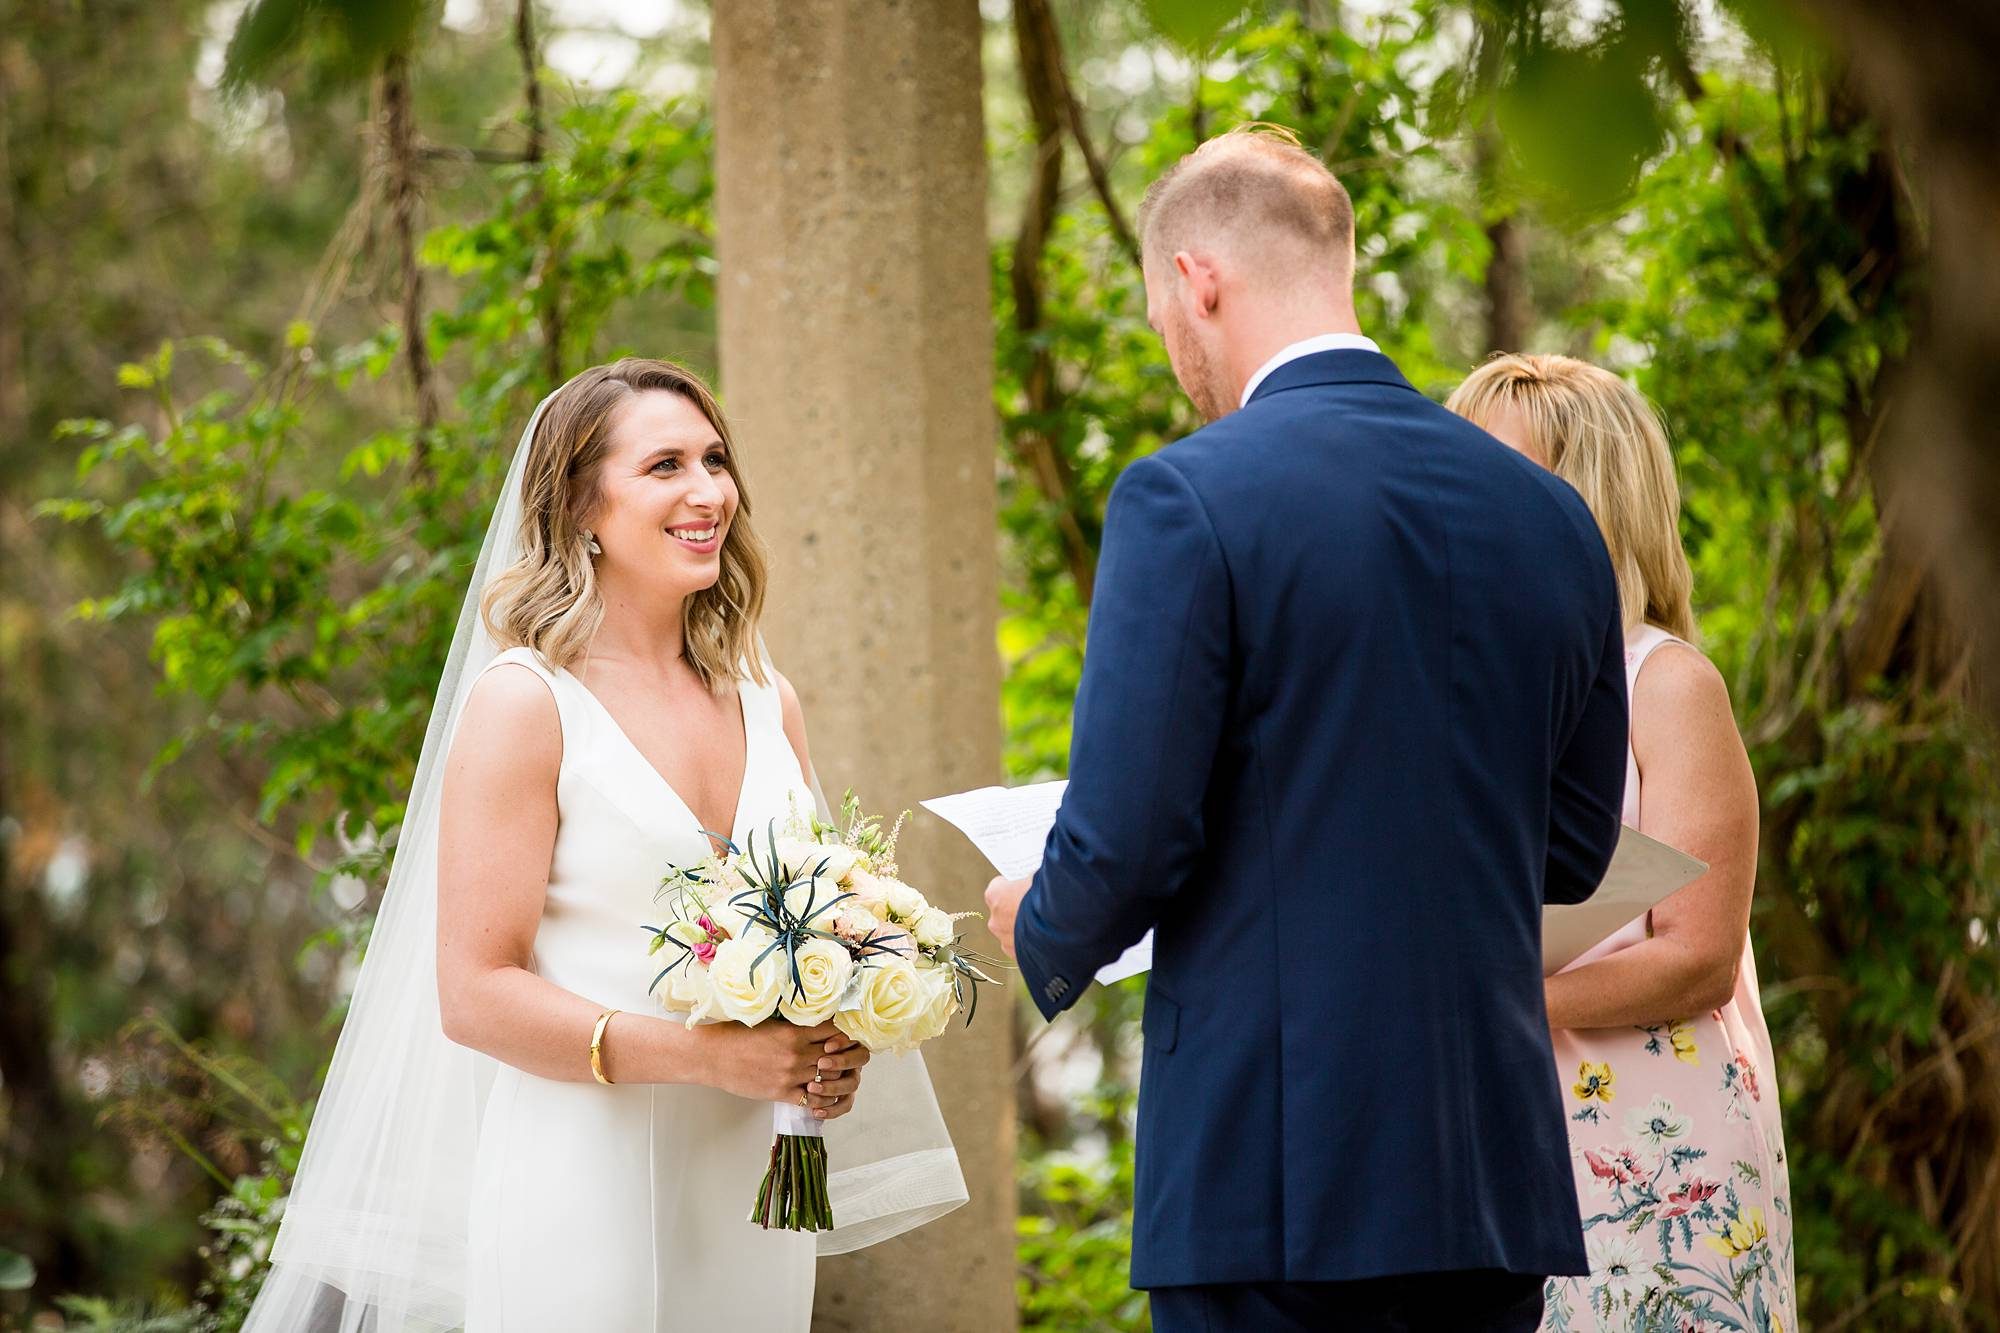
(1193, 25)
(133, 376)
(1580, 123)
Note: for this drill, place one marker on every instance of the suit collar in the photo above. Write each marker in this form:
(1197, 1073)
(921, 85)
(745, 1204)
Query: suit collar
(1344, 366)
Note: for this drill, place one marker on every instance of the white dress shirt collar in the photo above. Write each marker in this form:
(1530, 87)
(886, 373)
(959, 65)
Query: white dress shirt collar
(1325, 342)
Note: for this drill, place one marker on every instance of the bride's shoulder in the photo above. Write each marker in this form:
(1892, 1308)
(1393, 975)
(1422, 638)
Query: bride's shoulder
(512, 710)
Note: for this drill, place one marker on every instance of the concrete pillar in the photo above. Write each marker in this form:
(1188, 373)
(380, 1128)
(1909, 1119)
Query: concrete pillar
(857, 369)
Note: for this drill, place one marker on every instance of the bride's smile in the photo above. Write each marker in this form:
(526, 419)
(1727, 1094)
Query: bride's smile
(702, 539)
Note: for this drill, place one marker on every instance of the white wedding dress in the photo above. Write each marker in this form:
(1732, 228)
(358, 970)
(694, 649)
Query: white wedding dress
(623, 1209)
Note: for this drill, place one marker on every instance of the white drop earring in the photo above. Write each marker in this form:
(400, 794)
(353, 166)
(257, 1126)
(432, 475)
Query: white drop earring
(590, 544)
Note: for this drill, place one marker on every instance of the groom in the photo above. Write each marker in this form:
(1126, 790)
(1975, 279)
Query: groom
(1352, 712)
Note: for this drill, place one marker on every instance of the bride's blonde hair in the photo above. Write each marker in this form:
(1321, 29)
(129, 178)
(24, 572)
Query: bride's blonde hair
(548, 599)
(1601, 436)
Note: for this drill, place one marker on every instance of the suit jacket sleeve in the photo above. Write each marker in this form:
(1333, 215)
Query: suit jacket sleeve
(1587, 799)
(1149, 716)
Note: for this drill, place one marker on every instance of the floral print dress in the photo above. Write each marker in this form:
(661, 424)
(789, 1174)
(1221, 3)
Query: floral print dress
(1679, 1156)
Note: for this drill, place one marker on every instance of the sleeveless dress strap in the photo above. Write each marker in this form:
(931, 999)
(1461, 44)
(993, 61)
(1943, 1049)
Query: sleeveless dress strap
(1640, 645)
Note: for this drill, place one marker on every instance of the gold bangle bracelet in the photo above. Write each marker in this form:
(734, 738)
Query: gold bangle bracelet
(597, 1046)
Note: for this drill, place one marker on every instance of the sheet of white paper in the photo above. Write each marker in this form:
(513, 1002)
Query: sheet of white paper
(1137, 959)
(1643, 871)
(1010, 826)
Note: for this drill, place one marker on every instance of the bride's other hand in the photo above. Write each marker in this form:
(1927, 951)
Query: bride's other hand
(840, 1063)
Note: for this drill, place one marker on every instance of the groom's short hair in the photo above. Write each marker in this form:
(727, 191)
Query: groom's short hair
(1255, 184)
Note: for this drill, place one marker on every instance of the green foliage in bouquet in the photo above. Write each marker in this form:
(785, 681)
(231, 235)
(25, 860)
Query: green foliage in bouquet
(865, 834)
(862, 832)
(762, 897)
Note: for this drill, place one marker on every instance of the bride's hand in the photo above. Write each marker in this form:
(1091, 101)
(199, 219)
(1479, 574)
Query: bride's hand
(839, 1071)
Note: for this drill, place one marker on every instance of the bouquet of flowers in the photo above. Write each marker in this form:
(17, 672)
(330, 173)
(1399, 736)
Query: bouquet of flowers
(812, 925)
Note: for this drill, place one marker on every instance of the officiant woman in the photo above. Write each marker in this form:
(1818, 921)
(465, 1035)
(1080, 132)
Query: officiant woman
(1660, 1041)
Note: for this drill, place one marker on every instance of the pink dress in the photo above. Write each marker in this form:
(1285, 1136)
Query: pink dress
(1679, 1154)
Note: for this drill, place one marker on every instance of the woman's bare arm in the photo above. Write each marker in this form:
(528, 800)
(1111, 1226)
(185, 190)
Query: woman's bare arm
(795, 724)
(1697, 794)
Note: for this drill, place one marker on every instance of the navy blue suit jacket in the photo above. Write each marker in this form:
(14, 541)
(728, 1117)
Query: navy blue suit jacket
(1352, 711)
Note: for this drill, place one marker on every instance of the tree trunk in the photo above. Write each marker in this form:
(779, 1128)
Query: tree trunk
(863, 188)
(1928, 70)
(1510, 311)
(398, 160)
(548, 287)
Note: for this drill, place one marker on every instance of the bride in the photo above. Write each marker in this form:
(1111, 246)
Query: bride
(512, 1137)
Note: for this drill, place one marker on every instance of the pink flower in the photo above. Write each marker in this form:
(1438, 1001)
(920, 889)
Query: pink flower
(1618, 1166)
(1689, 1197)
(705, 952)
(1749, 1076)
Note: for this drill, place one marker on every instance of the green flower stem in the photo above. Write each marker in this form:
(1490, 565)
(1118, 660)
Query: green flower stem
(793, 1194)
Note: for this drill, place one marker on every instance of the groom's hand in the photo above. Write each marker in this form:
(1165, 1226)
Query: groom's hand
(1003, 900)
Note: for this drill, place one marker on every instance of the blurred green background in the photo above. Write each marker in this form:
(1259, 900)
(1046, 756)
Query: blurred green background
(237, 498)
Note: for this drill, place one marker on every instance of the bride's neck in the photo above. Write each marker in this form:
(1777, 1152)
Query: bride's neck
(640, 631)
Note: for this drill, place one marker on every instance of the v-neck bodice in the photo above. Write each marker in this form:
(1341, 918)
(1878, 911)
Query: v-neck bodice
(620, 823)
(734, 831)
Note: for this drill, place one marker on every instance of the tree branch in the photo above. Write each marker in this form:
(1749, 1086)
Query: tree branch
(1048, 41)
(1035, 442)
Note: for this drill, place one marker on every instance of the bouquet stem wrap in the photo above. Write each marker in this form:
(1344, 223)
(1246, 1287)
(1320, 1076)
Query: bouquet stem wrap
(793, 1195)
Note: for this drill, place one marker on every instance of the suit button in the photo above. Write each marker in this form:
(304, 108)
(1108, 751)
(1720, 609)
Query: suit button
(1057, 988)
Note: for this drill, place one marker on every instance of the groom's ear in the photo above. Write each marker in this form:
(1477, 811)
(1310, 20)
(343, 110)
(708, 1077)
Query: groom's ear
(1200, 284)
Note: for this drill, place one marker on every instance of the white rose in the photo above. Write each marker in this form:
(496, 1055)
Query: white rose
(816, 900)
(802, 857)
(824, 967)
(741, 993)
(690, 991)
(943, 1002)
(933, 928)
(732, 917)
(904, 901)
(889, 1007)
